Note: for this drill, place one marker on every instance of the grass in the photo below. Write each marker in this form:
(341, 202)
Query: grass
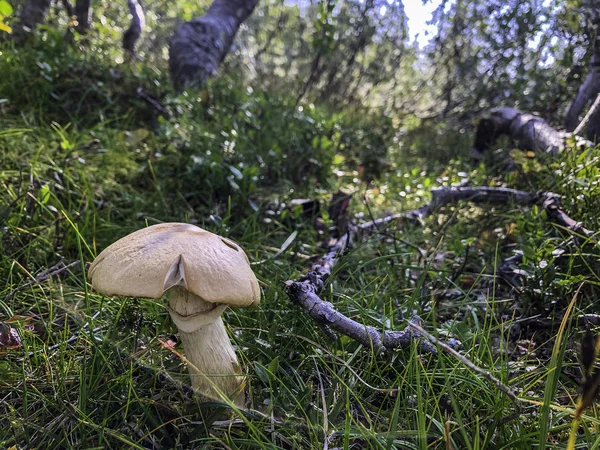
(86, 160)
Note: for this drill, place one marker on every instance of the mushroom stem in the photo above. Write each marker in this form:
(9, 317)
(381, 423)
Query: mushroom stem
(214, 366)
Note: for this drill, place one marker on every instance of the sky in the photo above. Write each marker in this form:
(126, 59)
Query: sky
(418, 16)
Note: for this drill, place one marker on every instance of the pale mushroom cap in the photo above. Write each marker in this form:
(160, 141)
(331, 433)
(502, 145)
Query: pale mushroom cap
(150, 261)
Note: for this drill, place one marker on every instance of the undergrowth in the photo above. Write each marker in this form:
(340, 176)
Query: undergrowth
(91, 151)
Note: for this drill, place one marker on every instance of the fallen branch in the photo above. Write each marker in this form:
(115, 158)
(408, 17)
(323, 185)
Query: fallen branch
(305, 293)
(44, 275)
(484, 373)
(531, 132)
(549, 201)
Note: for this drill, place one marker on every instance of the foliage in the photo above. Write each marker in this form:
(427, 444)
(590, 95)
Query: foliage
(5, 11)
(93, 148)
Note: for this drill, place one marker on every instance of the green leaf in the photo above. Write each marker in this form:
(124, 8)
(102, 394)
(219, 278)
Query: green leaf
(44, 194)
(5, 8)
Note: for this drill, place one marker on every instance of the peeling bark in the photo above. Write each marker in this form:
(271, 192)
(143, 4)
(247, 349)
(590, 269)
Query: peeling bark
(531, 132)
(136, 26)
(198, 47)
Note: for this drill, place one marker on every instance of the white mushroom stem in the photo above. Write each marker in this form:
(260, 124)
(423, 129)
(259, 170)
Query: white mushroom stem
(214, 368)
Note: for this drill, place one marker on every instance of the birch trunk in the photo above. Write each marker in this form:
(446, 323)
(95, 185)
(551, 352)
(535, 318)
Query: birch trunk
(198, 47)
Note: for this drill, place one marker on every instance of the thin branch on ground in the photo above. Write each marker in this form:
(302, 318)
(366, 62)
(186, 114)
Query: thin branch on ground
(44, 275)
(484, 373)
(305, 292)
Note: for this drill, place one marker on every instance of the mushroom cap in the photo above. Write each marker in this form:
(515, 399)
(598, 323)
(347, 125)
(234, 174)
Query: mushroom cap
(152, 260)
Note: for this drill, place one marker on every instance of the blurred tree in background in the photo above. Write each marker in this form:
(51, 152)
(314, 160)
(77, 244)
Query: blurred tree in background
(532, 54)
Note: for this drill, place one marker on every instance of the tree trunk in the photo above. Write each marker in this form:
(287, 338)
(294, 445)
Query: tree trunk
(198, 47)
(587, 91)
(32, 13)
(83, 12)
(136, 25)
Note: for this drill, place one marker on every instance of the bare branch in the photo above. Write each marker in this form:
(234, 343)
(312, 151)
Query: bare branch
(484, 373)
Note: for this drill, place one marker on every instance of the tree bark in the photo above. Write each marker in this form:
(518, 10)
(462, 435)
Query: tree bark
(136, 26)
(587, 92)
(198, 47)
(531, 132)
(83, 12)
(32, 13)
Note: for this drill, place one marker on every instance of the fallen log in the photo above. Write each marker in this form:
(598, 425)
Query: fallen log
(531, 132)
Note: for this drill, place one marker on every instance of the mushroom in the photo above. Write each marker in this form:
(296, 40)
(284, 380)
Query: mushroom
(202, 273)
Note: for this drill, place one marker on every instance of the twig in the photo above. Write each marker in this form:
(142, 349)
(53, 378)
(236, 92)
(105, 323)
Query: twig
(444, 196)
(484, 373)
(588, 116)
(304, 294)
(44, 275)
(541, 323)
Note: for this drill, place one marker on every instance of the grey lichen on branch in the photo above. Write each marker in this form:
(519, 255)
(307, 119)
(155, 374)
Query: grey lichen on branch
(198, 47)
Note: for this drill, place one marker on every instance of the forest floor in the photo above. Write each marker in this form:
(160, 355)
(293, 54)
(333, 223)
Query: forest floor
(90, 152)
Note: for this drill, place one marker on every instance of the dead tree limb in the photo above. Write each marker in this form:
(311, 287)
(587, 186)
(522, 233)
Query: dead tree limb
(305, 293)
(531, 132)
(136, 26)
(198, 47)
